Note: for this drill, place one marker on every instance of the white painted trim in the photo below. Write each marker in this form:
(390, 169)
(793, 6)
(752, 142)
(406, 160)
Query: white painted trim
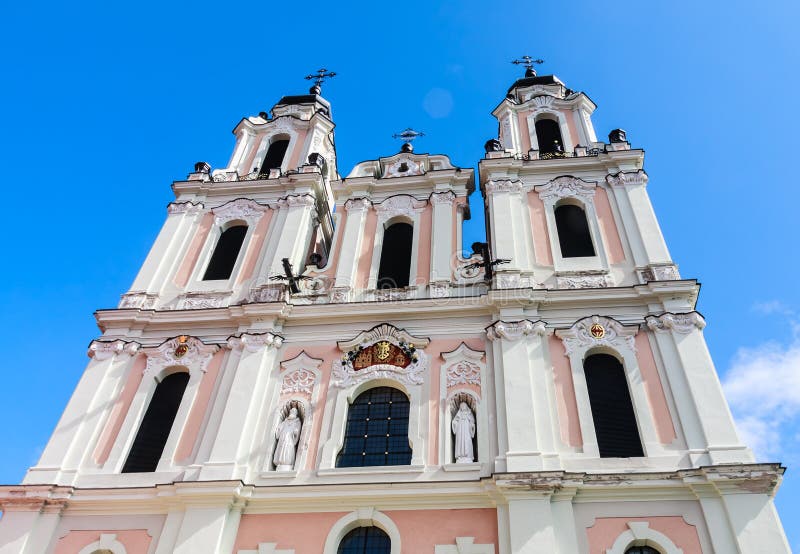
(464, 545)
(267, 548)
(363, 517)
(566, 136)
(106, 542)
(640, 534)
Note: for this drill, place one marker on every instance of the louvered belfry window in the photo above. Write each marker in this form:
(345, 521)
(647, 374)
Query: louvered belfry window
(365, 540)
(377, 430)
(612, 410)
(156, 424)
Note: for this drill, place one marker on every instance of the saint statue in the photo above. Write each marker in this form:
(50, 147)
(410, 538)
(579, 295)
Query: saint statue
(464, 431)
(287, 433)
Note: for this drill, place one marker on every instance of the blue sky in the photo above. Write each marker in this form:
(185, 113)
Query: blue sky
(104, 104)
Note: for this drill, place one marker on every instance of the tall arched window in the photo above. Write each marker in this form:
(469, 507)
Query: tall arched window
(548, 134)
(612, 410)
(377, 430)
(642, 550)
(225, 253)
(156, 424)
(274, 157)
(574, 237)
(396, 256)
(365, 540)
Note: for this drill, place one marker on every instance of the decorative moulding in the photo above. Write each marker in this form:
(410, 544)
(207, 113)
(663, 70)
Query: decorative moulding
(623, 178)
(344, 373)
(503, 185)
(242, 208)
(583, 281)
(295, 200)
(101, 350)
(463, 366)
(203, 300)
(400, 205)
(186, 351)
(300, 374)
(253, 342)
(184, 208)
(357, 204)
(566, 187)
(403, 166)
(660, 272)
(680, 323)
(515, 330)
(138, 300)
(640, 534)
(595, 331)
(446, 197)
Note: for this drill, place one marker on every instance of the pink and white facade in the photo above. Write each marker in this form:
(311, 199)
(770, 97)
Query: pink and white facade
(513, 348)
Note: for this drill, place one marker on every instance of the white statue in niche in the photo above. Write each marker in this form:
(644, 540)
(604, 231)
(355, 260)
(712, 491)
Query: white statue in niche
(288, 434)
(464, 431)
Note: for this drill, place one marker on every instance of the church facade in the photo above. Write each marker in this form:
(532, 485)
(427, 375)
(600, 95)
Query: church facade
(306, 363)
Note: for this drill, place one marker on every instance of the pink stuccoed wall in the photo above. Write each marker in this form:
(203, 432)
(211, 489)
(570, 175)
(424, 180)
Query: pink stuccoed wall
(566, 405)
(186, 267)
(254, 247)
(420, 530)
(541, 237)
(606, 530)
(367, 244)
(135, 541)
(608, 227)
(655, 390)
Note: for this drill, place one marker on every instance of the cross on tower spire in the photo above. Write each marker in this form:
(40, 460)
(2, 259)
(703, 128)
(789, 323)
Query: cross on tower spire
(408, 135)
(319, 77)
(528, 62)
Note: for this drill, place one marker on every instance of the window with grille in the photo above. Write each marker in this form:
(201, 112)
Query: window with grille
(612, 409)
(377, 430)
(365, 540)
(156, 424)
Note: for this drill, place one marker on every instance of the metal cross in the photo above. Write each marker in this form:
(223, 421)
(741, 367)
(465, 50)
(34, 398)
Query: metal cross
(528, 62)
(408, 134)
(289, 276)
(321, 75)
(482, 249)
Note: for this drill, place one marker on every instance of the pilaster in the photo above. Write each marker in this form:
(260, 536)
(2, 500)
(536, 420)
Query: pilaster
(509, 224)
(442, 254)
(352, 236)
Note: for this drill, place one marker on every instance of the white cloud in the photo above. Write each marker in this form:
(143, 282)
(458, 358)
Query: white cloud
(771, 307)
(763, 388)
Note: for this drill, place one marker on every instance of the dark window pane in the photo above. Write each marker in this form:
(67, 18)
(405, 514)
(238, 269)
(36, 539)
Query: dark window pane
(395, 265)
(612, 410)
(365, 540)
(548, 134)
(274, 157)
(371, 437)
(573, 232)
(225, 253)
(156, 424)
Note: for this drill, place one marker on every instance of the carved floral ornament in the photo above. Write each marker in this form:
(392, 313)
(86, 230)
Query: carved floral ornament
(184, 350)
(679, 323)
(103, 350)
(382, 352)
(299, 375)
(446, 197)
(463, 366)
(403, 166)
(357, 204)
(567, 187)
(595, 331)
(401, 205)
(253, 342)
(241, 208)
(294, 200)
(623, 178)
(515, 330)
(189, 208)
(504, 185)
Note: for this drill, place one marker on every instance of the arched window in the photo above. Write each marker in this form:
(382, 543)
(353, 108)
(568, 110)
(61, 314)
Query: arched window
(365, 540)
(395, 256)
(548, 134)
(156, 424)
(225, 253)
(642, 550)
(377, 430)
(274, 157)
(573, 231)
(612, 410)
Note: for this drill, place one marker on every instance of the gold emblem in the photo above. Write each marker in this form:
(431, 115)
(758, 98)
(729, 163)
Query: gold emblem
(382, 349)
(597, 331)
(182, 348)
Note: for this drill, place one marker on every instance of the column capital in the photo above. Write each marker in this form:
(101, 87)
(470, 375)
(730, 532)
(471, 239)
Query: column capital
(679, 323)
(357, 204)
(625, 178)
(515, 330)
(189, 208)
(253, 342)
(103, 350)
(446, 197)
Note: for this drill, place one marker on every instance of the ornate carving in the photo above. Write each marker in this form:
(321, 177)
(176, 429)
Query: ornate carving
(298, 381)
(202, 300)
(138, 300)
(403, 167)
(582, 281)
(463, 373)
(386, 332)
(543, 101)
(680, 323)
(623, 178)
(389, 295)
(567, 187)
(585, 334)
(184, 351)
(401, 205)
(340, 295)
(464, 274)
(241, 208)
(253, 342)
(101, 350)
(446, 197)
(504, 185)
(225, 176)
(440, 289)
(515, 330)
(344, 375)
(266, 293)
(666, 272)
(357, 204)
(184, 208)
(294, 200)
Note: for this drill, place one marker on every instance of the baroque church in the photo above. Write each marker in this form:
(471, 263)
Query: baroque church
(308, 363)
